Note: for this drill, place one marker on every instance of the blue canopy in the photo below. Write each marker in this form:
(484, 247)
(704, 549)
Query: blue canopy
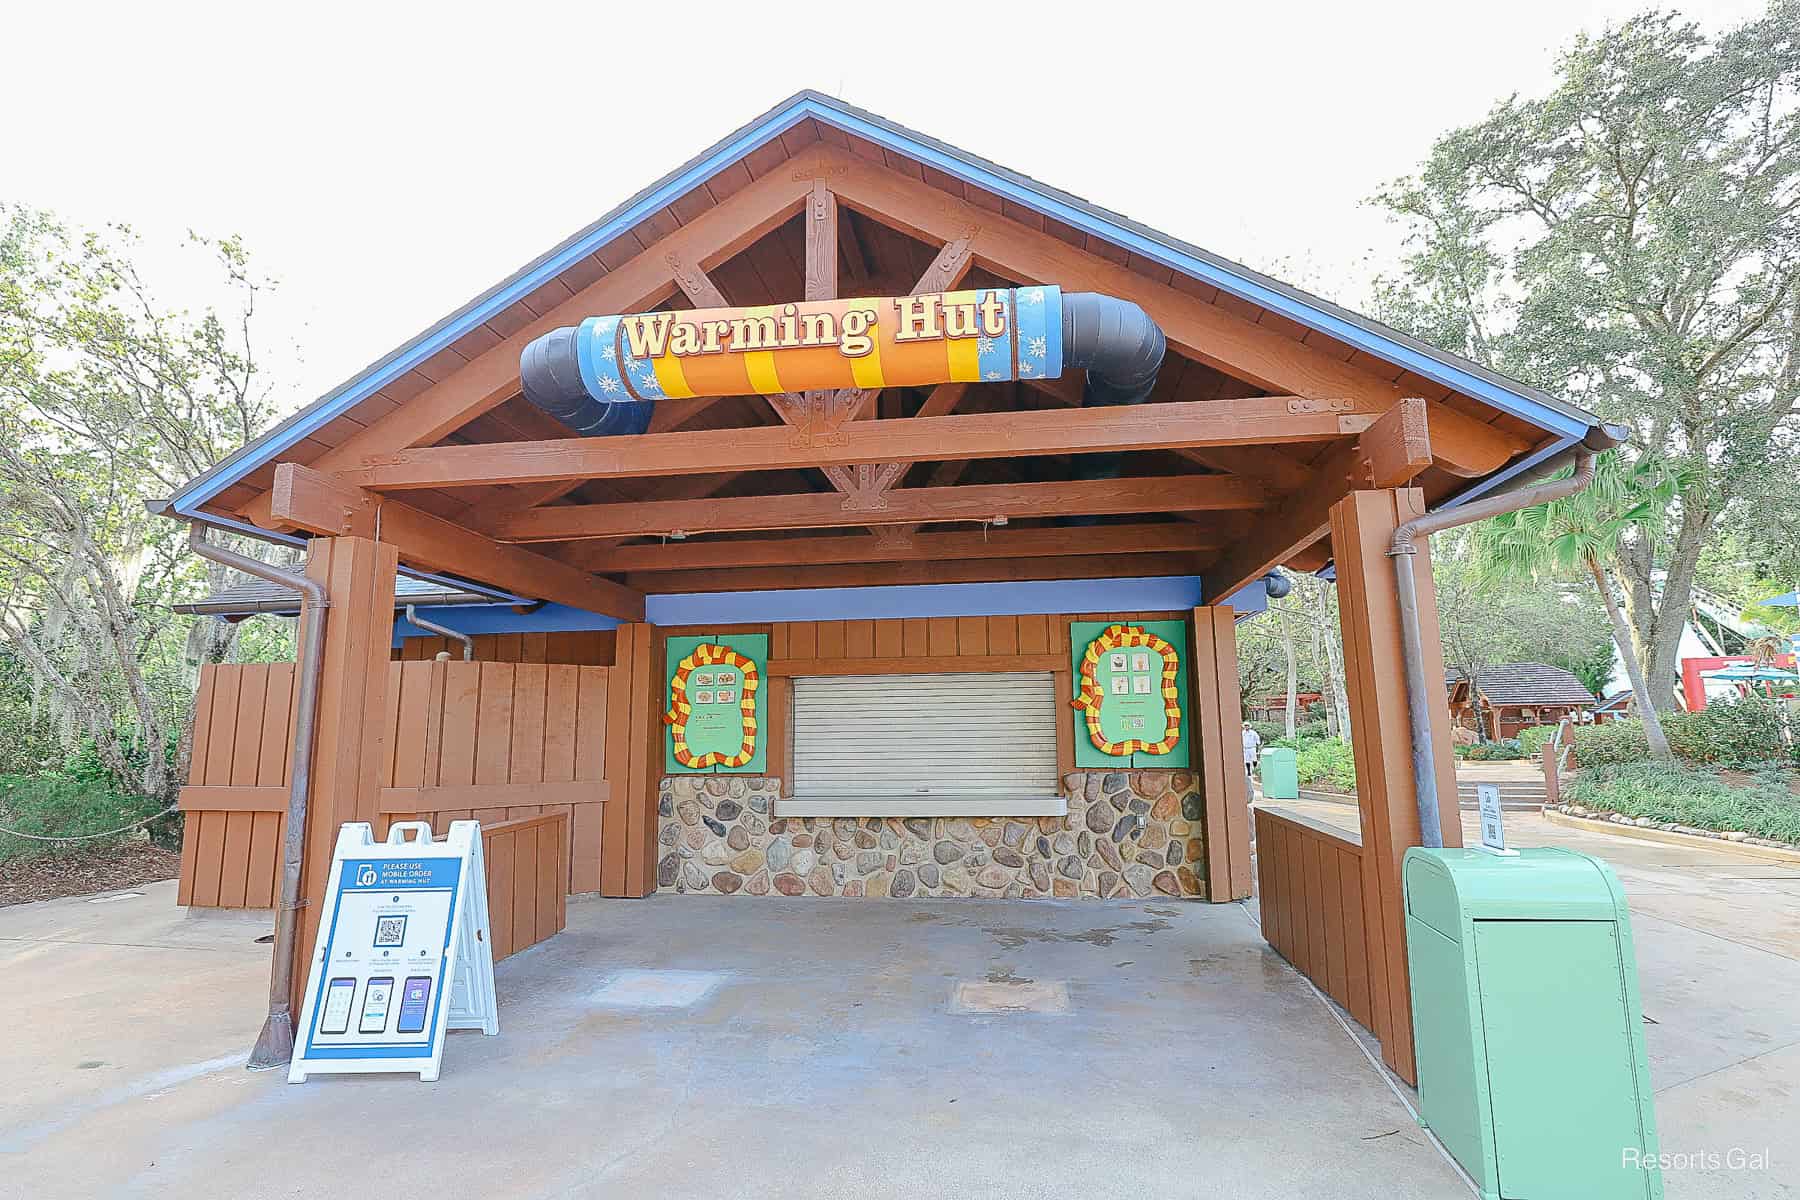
(1785, 600)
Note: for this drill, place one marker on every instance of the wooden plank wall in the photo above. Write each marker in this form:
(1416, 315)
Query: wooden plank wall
(583, 648)
(494, 742)
(236, 801)
(498, 742)
(527, 867)
(1309, 882)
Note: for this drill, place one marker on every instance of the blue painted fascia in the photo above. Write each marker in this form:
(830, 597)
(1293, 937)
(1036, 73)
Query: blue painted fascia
(476, 619)
(335, 403)
(1150, 593)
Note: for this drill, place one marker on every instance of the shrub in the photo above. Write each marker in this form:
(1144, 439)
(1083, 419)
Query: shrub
(1727, 733)
(61, 805)
(1613, 742)
(1271, 731)
(1764, 805)
(1327, 761)
(1532, 741)
(1314, 730)
(1732, 733)
(1506, 751)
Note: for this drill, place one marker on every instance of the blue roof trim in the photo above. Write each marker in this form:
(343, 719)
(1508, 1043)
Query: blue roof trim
(811, 105)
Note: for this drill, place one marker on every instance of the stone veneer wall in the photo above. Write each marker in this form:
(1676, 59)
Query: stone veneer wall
(1127, 834)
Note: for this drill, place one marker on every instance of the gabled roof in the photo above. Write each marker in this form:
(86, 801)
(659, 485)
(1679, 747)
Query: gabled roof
(730, 163)
(1526, 684)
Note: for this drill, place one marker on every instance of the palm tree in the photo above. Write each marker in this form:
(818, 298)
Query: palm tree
(1581, 533)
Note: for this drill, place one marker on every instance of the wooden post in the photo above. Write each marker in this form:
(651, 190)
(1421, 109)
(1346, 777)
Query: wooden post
(1362, 525)
(1217, 748)
(634, 763)
(351, 739)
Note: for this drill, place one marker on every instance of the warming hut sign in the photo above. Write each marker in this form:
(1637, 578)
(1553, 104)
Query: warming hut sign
(1130, 693)
(715, 702)
(983, 334)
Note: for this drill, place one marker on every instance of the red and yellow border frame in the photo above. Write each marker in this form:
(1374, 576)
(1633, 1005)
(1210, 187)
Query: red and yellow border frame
(709, 654)
(1088, 696)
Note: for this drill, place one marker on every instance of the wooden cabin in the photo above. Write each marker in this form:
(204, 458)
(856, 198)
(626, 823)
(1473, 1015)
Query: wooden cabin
(896, 602)
(1502, 700)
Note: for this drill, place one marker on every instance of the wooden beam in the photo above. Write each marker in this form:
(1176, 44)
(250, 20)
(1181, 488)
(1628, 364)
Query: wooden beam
(931, 546)
(1395, 448)
(1084, 566)
(310, 500)
(1258, 420)
(969, 502)
(492, 377)
(1208, 333)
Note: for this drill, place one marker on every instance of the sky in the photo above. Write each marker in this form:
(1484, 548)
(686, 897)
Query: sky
(384, 163)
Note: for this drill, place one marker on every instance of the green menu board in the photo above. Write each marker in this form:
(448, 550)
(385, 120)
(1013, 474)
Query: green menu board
(714, 705)
(1124, 693)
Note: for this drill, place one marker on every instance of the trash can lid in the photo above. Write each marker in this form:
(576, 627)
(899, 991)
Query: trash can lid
(1446, 886)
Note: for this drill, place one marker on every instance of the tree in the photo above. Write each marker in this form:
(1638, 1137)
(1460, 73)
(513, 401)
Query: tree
(1585, 532)
(1486, 619)
(108, 399)
(1632, 240)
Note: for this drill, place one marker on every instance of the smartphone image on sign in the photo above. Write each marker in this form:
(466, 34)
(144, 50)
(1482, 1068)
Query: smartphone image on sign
(377, 997)
(338, 996)
(414, 997)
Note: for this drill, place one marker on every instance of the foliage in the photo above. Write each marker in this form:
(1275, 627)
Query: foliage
(1533, 740)
(1269, 731)
(1583, 532)
(1738, 733)
(1747, 733)
(107, 399)
(58, 804)
(1326, 761)
(1501, 751)
(1632, 240)
(1611, 742)
(1764, 805)
(1486, 618)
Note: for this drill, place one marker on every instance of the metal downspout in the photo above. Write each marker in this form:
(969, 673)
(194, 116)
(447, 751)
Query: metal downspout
(275, 1044)
(468, 643)
(1404, 548)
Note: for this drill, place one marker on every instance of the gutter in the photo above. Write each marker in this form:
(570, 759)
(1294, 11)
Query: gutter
(275, 1044)
(1404, 549)
(468, 643)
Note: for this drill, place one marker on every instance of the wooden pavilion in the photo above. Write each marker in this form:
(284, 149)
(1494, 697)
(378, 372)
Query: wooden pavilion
(920, 575)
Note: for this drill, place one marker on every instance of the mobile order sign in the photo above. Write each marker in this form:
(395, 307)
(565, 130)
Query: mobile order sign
(402, 953)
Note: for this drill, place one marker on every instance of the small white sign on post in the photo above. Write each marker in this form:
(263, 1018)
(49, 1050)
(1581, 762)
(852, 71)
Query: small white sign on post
(1493, 829)
(402, 953)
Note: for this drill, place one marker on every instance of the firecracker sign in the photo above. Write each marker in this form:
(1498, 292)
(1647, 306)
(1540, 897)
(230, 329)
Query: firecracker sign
(1129, 694)
(715, 704)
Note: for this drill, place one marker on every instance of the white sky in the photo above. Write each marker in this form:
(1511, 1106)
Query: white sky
(387, 162)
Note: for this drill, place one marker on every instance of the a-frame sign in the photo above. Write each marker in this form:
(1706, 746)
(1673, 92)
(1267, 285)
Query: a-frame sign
(403, 953)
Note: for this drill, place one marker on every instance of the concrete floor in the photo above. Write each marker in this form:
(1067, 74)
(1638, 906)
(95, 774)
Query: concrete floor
(1718, 942)
(824, 1057)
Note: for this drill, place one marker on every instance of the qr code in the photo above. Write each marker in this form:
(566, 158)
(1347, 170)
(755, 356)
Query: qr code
(390, 931)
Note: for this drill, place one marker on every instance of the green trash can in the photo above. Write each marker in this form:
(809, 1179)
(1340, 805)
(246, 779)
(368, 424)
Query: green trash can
(1279, 772)
(1527, 1023)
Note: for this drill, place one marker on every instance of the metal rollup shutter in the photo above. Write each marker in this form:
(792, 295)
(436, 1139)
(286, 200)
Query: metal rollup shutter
(925, 736)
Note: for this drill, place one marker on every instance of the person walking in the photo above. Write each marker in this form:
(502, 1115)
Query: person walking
(1252, 750)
